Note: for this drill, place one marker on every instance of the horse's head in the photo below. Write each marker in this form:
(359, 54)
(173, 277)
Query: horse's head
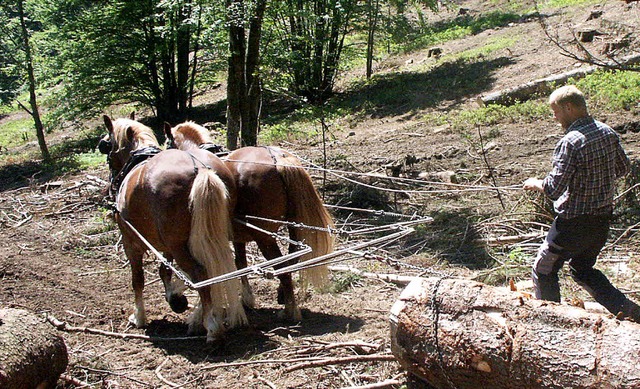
(186, 136)
(125, 136)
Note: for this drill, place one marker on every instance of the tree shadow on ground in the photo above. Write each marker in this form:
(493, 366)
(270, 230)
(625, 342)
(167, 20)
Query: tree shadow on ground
(455, 237)
(36, 172)
(254, 339)
(401, 93)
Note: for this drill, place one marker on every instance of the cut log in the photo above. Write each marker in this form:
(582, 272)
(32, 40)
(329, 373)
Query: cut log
(464, 334)
(31, 352)
(545, 85)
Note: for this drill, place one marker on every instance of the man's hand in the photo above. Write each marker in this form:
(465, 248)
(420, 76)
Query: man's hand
(533, 184)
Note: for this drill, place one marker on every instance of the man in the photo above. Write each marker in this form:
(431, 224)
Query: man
(586, 163)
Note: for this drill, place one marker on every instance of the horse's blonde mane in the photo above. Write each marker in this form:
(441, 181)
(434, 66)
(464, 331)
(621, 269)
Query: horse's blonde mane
(190, 134)
(143, 136)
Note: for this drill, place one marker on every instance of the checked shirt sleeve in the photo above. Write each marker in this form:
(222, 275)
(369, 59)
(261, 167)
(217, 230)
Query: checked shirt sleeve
(623, 166)
(564, 167)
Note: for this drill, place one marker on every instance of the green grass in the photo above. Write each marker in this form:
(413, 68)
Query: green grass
(568, 3)
(15, 133)
(612, 90)
(457, 29)
(491, 46)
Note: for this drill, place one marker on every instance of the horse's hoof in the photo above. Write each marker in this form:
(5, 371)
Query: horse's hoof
(248, 300)
(292, 315)
(137, 322)
(178, 303)
(196, 329)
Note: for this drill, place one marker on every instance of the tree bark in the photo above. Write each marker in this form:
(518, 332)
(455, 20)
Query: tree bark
(464, 334)
(35, 113)
(31, 352)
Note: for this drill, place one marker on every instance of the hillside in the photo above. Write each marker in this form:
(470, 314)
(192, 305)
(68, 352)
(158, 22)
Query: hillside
(411, 133)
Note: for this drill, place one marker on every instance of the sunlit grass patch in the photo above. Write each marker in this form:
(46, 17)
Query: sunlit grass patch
(612, 89)
(16, 133)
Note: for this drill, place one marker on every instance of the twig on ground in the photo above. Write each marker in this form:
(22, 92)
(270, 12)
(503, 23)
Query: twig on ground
(384, 384)
(114, 374)
(260, 362)
(74, 381)
(161, 378)
(393, 278)
(340, 360)
(63, 326)
(264, 380)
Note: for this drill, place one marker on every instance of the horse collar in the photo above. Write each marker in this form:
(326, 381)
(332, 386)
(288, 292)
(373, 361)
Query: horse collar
(136, 157)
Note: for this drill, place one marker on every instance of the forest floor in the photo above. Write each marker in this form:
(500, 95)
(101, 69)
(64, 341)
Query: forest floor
(59, 254)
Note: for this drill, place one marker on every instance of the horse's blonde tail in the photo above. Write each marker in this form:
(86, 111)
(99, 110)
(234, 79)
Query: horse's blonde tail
(209, 242)
(309, 210)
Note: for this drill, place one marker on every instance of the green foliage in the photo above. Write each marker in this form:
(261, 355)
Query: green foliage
(493, 114)
(341, 282)
(460, 27)
(16, 133)
(490, 46)
(567, 3)
(11, 53)
(612, 90)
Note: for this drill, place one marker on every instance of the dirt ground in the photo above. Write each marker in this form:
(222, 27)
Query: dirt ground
(59, 253)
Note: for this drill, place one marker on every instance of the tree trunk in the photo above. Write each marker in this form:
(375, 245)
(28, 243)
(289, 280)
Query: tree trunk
(253, 97)
(35, 113)
(235, 74)
(244, 89)
(463, 334)
(31, 352)
(374, 9)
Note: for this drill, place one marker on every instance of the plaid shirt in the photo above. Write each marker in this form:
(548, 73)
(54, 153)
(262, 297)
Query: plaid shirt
(586, 163)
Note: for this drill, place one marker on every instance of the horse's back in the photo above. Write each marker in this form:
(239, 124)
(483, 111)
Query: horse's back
(261, 191)
(157, 196)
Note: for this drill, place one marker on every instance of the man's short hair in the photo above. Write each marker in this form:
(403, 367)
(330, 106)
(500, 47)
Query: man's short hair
(568, 94)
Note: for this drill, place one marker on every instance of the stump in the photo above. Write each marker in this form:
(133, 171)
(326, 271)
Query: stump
(464, 334)
(31, 353)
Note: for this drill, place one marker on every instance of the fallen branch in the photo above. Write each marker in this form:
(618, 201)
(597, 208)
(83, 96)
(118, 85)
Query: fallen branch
(393, 278)
(501, 240)
(377, 385)
(357, 344)
(260, 362)
(161, 378)
(63, 326)
(341, 360)
(74, 381)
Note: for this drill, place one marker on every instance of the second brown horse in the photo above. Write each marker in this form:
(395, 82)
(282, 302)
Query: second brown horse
(271, 184)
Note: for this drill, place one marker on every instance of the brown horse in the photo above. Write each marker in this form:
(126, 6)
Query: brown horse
(180, 203)
(272, 184)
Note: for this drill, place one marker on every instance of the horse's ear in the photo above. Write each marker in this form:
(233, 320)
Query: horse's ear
(108, 123)
(131, 134)
(167, 131)
(132, 115)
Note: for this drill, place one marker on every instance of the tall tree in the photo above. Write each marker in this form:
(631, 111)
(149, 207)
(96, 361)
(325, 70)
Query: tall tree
(126, 51)
(313, 33)
(17, 54)
(244, 90)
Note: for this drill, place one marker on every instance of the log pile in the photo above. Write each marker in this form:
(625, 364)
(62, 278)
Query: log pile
(31, 352)
(455, 333)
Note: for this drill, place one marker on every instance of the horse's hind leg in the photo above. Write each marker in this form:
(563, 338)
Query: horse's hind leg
(286, 295)
(139, 317)
(203, 317)
(248, 299)
(173, 289)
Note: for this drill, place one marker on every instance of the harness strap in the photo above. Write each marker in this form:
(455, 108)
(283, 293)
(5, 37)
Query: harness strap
(137, 156)
(194, 160)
